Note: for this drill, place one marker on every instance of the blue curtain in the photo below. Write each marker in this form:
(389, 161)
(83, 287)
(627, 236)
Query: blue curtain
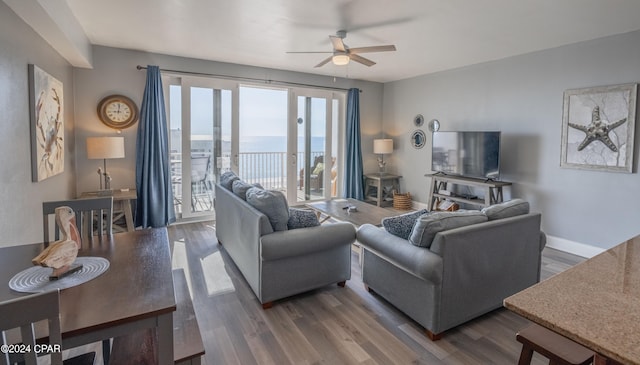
(353, 181)
(153, 180)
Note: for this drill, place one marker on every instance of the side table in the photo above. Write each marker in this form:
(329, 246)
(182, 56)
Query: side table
(382, 196)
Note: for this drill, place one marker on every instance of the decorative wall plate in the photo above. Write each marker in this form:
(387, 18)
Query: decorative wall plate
(434, 125)
(418, 139)
(418, 120)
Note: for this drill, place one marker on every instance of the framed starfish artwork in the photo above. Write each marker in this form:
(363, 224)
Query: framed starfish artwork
(598, 128)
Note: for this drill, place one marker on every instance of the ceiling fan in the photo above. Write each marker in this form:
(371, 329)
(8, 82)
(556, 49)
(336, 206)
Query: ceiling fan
(342, 54)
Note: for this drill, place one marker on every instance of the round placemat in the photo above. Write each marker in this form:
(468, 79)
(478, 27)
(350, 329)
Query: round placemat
(36, 279)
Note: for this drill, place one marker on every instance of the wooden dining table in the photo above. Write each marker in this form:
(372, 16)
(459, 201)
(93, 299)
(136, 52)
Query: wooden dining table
(136, 292)
(595, 303)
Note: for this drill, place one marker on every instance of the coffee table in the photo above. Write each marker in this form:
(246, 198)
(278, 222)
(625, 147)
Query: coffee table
(366, 213)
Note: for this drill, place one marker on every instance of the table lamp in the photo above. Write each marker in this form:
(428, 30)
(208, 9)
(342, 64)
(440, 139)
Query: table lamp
(382, 147)
(105, 148)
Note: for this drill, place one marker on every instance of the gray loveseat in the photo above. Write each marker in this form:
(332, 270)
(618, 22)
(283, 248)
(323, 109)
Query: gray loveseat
(466, 271)
(283, 263)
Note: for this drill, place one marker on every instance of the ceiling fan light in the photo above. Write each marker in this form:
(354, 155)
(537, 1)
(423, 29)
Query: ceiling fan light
(340, 59)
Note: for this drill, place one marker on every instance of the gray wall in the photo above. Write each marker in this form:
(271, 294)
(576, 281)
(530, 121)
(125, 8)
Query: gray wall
(522, 97)
(20, 216)
(115, 72)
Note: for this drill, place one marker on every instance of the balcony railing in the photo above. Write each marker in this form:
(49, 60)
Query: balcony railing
(266, 168)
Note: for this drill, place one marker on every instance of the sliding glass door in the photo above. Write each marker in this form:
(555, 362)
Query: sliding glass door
(200, 114)
(284, 139)
(315, 144)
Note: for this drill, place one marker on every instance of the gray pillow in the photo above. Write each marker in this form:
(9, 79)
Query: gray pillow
(429, 225)
(508, 209)
(273, 204)
(401, 225)
(227, 179)
(302, 218)
(240, 187)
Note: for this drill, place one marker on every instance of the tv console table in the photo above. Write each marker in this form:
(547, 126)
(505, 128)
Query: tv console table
(492, 190)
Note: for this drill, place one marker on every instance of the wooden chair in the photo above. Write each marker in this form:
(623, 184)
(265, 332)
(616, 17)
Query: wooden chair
(23, 313)
(558, 349)
(86, 209)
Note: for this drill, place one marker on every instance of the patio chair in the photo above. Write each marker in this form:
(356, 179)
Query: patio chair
(316, 176)
(201, 186)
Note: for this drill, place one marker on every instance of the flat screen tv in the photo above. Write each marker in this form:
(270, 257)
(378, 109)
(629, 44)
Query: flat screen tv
(470, 154)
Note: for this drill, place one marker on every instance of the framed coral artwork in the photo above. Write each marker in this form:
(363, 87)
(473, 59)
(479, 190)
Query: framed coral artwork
(598, 128)
(46, 114)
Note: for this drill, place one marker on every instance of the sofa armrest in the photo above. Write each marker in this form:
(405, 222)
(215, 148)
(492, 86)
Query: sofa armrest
(418, 261)
(302, 241)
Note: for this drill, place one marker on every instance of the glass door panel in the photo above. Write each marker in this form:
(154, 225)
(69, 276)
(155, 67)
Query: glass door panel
(311, 141)
(200, 143)
(316, 147)
(262, 135)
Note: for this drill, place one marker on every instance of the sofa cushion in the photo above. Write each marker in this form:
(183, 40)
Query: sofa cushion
(508, 209)
(271, 203)
(401, 225)
(427, 226)
(302, 218)
(227, 179)
(240, 187)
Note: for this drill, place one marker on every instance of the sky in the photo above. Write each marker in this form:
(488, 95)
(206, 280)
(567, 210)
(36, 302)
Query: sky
(263, 112)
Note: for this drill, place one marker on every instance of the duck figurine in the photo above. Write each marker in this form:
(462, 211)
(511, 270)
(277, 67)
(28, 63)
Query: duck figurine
(61, 254)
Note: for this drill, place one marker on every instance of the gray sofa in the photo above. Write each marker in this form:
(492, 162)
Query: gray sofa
(466, 272)
(284, 263)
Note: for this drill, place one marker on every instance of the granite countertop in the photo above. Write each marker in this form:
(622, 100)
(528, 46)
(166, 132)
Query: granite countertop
(595, 303)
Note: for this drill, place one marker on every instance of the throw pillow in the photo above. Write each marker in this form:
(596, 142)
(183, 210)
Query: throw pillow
(227, 179)
(302, 218)
(271, 203)
(508, 209)
(401, 225)
(319, 168)
(240, 187)
(429, 225)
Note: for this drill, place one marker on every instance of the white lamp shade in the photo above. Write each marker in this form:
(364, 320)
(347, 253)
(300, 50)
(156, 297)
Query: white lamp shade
(105, 147)
(383, 146)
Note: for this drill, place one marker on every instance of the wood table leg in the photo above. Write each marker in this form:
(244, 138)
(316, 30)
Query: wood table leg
(128, 215)
(165, 339)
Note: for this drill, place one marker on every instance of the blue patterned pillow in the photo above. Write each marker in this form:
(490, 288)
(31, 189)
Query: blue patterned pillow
(271, 203)
(227, 179)
(302, 218)
(401, 225)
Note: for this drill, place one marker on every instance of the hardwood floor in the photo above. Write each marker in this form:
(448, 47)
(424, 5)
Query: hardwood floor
(331, 325)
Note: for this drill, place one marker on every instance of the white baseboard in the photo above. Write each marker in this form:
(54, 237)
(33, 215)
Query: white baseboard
(573, 247)
(418, 205)
(561, 244)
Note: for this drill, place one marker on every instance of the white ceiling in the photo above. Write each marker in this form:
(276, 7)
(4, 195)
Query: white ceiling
(430, 35)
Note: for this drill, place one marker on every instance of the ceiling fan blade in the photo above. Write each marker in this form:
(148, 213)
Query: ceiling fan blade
(362, 60)
(309, 52)
(338, 44)
(324, 62)
(386, 48)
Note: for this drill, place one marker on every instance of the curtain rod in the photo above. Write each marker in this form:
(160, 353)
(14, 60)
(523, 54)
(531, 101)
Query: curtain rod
(246, 79)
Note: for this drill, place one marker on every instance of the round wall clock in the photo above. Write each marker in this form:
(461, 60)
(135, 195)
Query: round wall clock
(118, 111)
(418, 120)
(418, 139)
